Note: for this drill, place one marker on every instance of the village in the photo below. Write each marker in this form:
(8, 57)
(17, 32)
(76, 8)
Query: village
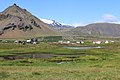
(85, 42)
(63, 42)
(56, 40)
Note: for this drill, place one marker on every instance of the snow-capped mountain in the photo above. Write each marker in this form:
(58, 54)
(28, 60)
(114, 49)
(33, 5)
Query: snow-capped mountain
(55, 24)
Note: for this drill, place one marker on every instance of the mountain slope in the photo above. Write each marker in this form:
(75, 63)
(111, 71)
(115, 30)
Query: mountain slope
(16, 22)
(98, 29)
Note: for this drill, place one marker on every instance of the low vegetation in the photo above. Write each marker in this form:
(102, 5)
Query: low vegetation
(90, 64)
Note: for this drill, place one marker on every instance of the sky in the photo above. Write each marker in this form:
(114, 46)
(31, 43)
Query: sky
(73, 12)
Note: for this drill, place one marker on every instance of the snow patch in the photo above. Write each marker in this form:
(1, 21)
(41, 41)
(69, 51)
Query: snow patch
(54, 23)
(47, 21)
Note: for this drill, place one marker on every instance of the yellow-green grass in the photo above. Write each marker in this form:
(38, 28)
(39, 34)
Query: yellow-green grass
(93, 64)
(65, 71)
(11, 49)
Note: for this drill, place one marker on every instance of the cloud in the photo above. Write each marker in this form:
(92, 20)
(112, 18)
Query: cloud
(106, 18)
(109, 18)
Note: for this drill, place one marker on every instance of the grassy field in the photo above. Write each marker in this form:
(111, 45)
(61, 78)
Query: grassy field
(92, 64)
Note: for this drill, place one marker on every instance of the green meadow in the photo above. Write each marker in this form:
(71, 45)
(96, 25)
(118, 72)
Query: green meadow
(90, 64)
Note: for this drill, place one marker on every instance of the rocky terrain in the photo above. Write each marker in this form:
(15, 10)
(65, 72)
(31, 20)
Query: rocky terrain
(16, 22)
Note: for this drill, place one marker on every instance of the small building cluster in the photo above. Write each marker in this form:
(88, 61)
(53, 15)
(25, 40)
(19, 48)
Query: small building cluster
(29, 41)
(82, 42)
(70, 42)
(102, 42)
(97, 42)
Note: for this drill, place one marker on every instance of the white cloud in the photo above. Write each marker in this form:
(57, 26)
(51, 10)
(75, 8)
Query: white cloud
(109, 18)
(106, 18)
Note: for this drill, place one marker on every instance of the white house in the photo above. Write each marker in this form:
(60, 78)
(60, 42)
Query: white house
(16, 41)
(34, 42)
(78, 42)
(96, 42)
(64, 42)
(28, 41)
(81, 42)
(67, 42)
(61, 42)
(106, 42)
(112, 41)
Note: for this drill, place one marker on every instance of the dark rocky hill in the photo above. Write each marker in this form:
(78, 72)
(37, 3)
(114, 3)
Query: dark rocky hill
(16, 22)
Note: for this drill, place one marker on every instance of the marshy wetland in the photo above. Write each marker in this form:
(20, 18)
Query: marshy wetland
(44, 61)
